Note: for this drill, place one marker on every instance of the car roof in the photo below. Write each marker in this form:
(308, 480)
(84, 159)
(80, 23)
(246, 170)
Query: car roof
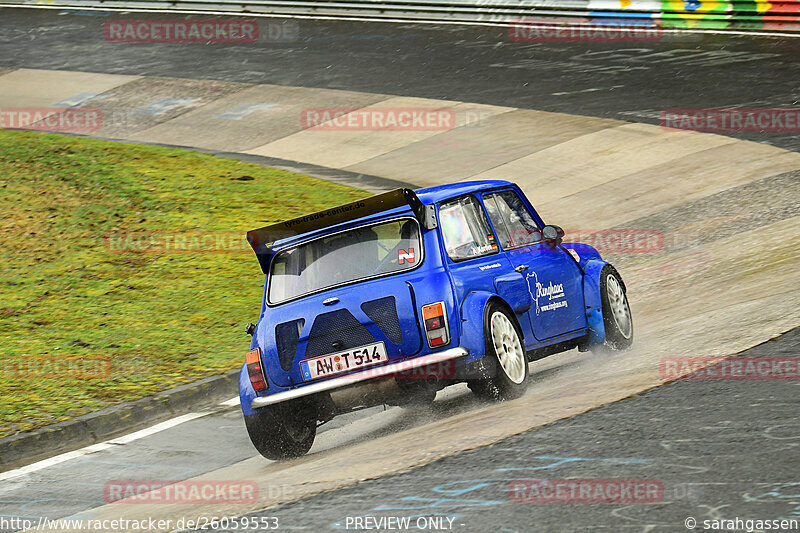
(432, 195)
(428, 195)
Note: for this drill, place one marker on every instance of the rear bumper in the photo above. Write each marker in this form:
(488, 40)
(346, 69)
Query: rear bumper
(359, 377)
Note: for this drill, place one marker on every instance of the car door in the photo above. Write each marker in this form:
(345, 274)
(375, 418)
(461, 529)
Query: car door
(476, 263)
(554, 280)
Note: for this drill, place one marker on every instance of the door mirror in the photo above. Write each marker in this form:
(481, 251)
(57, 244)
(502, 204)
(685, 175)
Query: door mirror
(552, 235)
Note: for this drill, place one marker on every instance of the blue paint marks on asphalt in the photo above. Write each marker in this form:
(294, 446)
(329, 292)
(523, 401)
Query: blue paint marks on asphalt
(75, 101)
(425, 503)
(243, 110)
(785, 491)
(168, 104)
(558, 461)
(453, 490)
(459, 487)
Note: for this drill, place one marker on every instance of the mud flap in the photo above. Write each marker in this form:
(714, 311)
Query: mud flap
(472, 324)
(593, 303)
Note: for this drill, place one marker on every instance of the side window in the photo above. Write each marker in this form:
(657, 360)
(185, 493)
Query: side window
(514, 224)
(465, 229)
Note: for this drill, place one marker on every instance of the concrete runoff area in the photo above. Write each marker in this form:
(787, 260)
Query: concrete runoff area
(344, 146)
(251, 118)
(491, 143)
(606, 156)
(48, 88)
(666, 185)
(145, 103)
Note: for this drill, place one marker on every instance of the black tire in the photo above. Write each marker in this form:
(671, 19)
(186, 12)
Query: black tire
(501, 376)
(619, 332)
(283, 431)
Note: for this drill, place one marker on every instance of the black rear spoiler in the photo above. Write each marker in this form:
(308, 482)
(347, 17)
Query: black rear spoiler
(262, 238)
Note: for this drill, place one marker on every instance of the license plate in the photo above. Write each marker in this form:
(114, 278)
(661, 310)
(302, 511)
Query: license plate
(338, 363)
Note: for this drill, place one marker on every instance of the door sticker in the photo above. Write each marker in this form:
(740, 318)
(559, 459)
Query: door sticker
(574, 254)
(551, 295)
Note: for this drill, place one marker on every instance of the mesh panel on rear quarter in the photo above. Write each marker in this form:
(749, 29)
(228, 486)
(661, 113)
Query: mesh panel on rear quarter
(336, 327)
(383, 312)
(287, 337)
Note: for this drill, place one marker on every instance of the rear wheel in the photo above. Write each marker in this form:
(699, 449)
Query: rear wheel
(617, 317)
(284, 430)
(505, 371)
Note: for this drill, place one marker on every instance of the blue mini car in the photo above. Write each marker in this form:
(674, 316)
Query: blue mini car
(389, 299)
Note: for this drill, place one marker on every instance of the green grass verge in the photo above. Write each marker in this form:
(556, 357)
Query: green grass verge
(76, 287)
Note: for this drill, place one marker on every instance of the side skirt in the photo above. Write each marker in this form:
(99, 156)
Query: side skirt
(558, 345)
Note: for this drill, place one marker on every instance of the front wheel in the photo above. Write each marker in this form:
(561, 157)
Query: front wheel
(505, 372)
(617, 317)
(283, 431)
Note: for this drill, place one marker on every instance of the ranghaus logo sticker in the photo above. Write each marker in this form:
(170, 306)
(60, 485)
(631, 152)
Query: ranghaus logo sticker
(552, 294)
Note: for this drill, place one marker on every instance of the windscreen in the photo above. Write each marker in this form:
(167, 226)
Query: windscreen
(359, 253)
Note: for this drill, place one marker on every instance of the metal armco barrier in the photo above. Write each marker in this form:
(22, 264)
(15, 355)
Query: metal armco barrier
(758, 15)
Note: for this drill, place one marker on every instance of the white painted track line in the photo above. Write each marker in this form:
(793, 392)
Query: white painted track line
(231, 403)
(58, 459)
(161, 426)
(118, 441)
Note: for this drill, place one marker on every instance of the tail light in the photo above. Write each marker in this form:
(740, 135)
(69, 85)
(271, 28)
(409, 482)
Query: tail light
(436, 325)
(254, 370)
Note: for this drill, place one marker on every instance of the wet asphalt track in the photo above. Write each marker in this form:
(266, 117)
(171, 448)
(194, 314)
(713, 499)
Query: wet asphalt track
(631, 81)
(719, 449)
(190, 449)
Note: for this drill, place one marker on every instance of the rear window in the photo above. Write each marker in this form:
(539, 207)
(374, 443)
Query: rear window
(360, 253)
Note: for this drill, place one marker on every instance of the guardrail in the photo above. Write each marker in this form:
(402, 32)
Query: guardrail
(751, 15)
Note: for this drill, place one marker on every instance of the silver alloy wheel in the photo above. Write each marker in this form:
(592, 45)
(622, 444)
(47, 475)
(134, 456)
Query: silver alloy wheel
(618, 303)
(508, 348)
